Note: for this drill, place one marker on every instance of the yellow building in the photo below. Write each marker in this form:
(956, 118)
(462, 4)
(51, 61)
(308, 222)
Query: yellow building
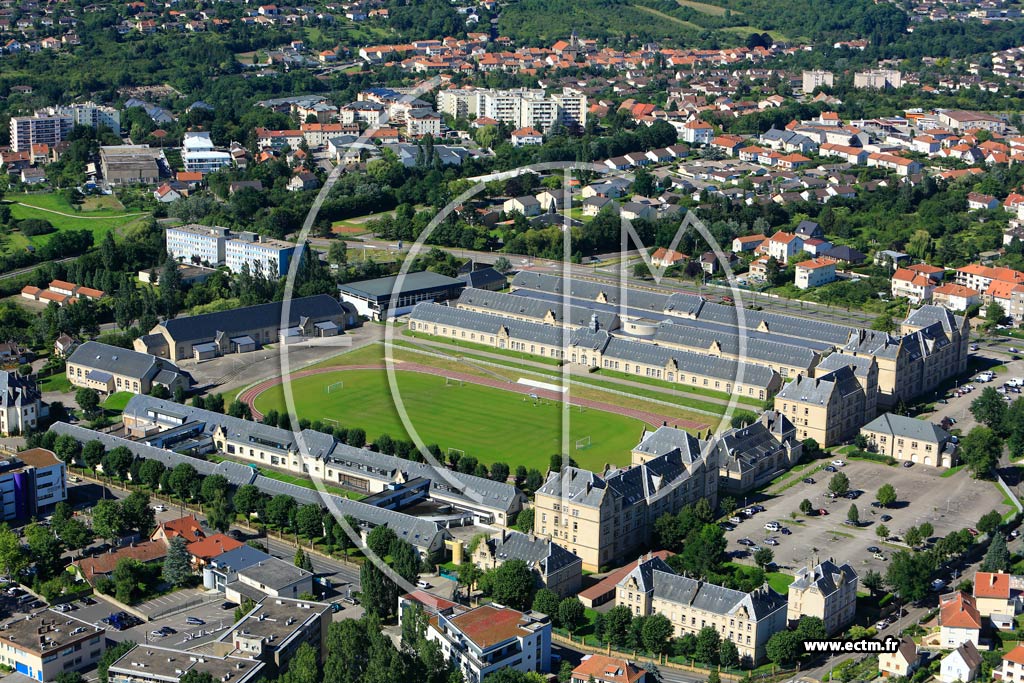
(44, 644)
(828, 409)
(910, 440)
(605, 518)
(826, 591)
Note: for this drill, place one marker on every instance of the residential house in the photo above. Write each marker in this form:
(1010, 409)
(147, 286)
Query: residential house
(64, 345)
(783, 246)
(955, 297)
(526, 205)
(598, 668)
(21, 405)
(827, 591)
(522, 137)
(916, 287)
(1012, 669)
(815, 272)
(747, 243)
(903, 662)
(212, 547)
(697, 132)
(666, 258)
(961, 665)
(959, 621)
(187, 528)
(995, 593)
(91, 568)
(977, 201)
(910, 440)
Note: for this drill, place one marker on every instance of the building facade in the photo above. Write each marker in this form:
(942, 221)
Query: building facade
(829, 409)
(21, 403)
(827, 591)
(910, 440)
(44, 644)
(109, 369)
(31, 484)
(40, 129)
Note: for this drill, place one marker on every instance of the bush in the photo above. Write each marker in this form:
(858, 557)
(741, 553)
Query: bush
(35, 226)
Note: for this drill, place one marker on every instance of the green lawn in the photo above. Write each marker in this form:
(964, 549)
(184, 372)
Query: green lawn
(779, 581)
(486, 423)
(58, 382)
(97, 215)
(305, 482)
(117, 401)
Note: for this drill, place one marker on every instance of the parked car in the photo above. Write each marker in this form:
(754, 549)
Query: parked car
(886, 518)
(881, 625)
(423, 584)
(907, 463)
(336, 607)
(829, 468)
(735, 520)
(838, 463)
(879, 556)
(770, 541)
(158, 634)
(784, 531)
(194, 621)
(938, 584)
(160, 508)
(228, 605)
(772, 526)
(809, 480)
(972, 531)
(874, 549)
(745, 541)
(822, 512)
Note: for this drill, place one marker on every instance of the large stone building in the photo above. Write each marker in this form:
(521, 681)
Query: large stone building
(109, 369)
(829, 409)
(556, 568)
(242, 330)
(754, 454)
(746, 619)
(604, 518)
(827, 591)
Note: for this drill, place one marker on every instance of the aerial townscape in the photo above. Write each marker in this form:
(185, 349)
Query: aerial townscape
(511, 341)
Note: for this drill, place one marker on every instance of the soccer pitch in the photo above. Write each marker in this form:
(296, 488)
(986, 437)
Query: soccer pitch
(489, 424)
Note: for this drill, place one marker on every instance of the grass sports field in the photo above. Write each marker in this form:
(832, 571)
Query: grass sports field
(486, 423)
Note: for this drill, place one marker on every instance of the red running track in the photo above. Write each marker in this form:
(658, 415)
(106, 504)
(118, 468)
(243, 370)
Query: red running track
(249, 395)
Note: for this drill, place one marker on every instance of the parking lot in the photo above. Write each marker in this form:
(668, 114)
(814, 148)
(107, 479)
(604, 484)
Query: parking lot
(949, 504)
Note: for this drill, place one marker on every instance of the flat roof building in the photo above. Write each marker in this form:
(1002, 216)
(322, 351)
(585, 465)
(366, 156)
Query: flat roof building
(275, 629)
(46, 643)
(396, 295)
(127, 164)
(31, 483)
(151, 664)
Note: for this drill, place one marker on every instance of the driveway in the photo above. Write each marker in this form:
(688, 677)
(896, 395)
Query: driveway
(923, 495)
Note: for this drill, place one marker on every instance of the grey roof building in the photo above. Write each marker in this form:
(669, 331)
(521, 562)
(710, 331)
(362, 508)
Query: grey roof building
(910, 440)
(108, 369)
(752, 455)
(787, 359)
(827, 591)
(829, 408)
(535, 310)
(556, 568)
(20, 403)
(398, 294)
(435, 318)
(228, 330)
(485, 278)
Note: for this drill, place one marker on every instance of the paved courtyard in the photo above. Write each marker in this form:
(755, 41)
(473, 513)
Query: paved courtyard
(949, 504)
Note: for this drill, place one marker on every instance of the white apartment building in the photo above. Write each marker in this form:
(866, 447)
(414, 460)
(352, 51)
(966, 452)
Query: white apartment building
(269, 255)
(817, 79)
(91, 114)
(489, 638)
(20, 404)
(39, 130)
(423, 122)
(519, 107)
(197, 244)
(199, 155)
(878, 79)
(31, 483)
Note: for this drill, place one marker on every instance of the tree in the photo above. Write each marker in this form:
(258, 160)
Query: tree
(220, 514)
(469, 574)
(882, 531)
(380, 540)
(138, 514)
(989, 408)
(108, 519)
(994, 314)
(524, 520)
(12, 558)
(280, 511)
(117, 462)
(45, 549)
(67, 448)
(872, 581)
(908, 573)
(707, 646)
(502, 265)
(886, 495)
(805, 506)
(184, 481)
(571, 614)
(926, 530)
(839, 484)
(379, 593)
(728, 654)
(178, 563)
(989, 522)
(763, 557)
(88, 400)
(309, 521)
(853, 515)
(213, 486)
(302, 560)
(150, 472)
(405, 560)
(811, 628)
(997, 557)
(783, 647)
(75, 534)
(616, 625)
(545, 601)
(511, 584)
(656, 632)
(913, 537)
(93, 452)
(742, 418)
(247, 499)
(980, 450)
(884, 323)
(337, 253)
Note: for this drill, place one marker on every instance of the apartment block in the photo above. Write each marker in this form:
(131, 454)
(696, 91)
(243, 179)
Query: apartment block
(271, 257)
(817, 79)
(90, 114)
(878, 79)
(31, 483)
(197, 244)
(519, 107)
(275, 629)
(40, 129)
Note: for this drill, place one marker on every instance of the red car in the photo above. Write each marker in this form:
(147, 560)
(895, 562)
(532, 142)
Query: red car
(972, 532)
(822, 512)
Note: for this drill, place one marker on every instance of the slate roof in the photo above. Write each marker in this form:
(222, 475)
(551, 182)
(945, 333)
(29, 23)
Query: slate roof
(593, 291)
(861, 364)
(907, 427)
(542, 554)
(487, 324)
(708, 597)
(17, 390)
(665, 440)
(499, 303)
(411, 282)
(741, 448)
(207, 325)
(827, 577)
(819, 390)
(755, 349)
(120, 361)
(482, 277)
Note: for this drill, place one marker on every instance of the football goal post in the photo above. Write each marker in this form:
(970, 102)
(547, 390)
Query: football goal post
(457, 452)
(452, 382)
(583, 443)
(331, 421)
(335, 386)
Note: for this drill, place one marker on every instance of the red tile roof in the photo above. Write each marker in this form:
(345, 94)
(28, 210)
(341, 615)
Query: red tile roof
(956, 290)
(186, 527)
(992, 585)
(604, 668)
(959, 612)
(148, 551)
(211, 547)
(1016, 655)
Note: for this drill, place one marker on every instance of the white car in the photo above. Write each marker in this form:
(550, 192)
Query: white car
(160, 508)
(772, 526)
(838, 463)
